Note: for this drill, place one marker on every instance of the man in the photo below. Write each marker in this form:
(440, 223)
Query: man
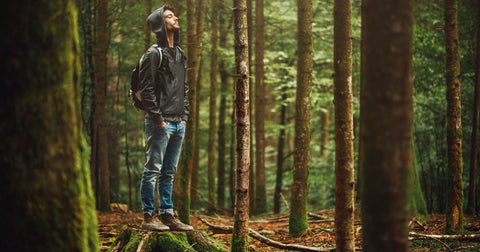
(164, 98)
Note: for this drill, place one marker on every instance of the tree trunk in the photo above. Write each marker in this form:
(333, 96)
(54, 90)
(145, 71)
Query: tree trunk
(299, 207)
(222, 115)
(148, 33)
(324, 118)
(185, 171)
(387, 118)
(191, 241)
(280, 156)
(454, 210)
(474, 139)
(363, 82)
(100, 97)
(417, 201)
(212, 150)
(47, 199)
(251, 190)
(260, 181)
(242, 123)
(343, 99)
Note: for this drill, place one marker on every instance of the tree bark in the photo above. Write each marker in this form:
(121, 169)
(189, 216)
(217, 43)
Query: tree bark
(46, 194)
(251, 190)
(260, 179)
(299, 207)
(343, 99)
(148, 33)
(185, 171)
(212, 150)
(476, 115)
(280, 156)
(222, 115)
(242, 123)
(388, 119)
(454, 197)
(100, 109)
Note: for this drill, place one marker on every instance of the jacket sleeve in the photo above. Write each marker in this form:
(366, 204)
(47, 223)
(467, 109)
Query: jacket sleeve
(148, 78)
(186, 103)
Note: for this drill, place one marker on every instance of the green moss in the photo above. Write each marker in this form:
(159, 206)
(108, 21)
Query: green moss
(132, 245)
(168, 242)
(203, 243)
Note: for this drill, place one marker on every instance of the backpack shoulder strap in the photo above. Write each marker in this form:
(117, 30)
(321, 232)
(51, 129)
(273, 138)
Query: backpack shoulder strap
(161, 55)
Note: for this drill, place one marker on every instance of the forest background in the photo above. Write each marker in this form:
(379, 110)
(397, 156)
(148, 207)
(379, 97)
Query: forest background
(51, 131)
(127, 39)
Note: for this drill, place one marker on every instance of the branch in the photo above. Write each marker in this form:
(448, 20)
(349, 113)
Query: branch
(470, 237)
(254, 234)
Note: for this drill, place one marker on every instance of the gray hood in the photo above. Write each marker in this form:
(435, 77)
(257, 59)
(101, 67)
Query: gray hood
(156, 22)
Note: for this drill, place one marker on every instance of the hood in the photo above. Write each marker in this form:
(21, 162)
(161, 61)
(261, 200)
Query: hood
(156, 22)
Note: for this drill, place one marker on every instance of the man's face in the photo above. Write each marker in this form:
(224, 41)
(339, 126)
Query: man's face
(171, 21)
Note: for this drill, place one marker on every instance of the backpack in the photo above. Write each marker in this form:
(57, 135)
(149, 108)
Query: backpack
(135, 91)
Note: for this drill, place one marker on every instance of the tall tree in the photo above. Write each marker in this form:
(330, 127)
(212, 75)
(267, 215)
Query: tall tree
(387, 115)
(299, 207)
(454, 211)
(185, 173)
(344, 172)
(213, 105)
(46, 193)
(100, 128)
(242, 127)
(280, 156)
(251, 191)
(474, 139)
(148, 33)
(222, 113)
(260, 178)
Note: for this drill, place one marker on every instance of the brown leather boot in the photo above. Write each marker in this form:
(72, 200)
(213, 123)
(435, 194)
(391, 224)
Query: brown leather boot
(149, 223)
(173, 223)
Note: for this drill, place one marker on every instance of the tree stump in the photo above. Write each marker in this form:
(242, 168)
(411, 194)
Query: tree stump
(132, 239)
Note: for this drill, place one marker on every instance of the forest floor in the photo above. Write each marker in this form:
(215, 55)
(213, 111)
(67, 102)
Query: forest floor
(275, 227)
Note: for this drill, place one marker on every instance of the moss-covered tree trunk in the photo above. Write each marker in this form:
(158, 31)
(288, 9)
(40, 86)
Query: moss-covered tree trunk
(47, 202)
(212, 150)
(260, 178)
(242, 127)
(299, 190)
(131, 240)
(343, 99)
(454, 210)
(475, 118)
(100, 123)
(417, 201)
(387, 126)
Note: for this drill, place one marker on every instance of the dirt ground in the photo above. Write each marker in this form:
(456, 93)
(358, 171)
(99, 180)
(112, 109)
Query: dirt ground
(320, 233)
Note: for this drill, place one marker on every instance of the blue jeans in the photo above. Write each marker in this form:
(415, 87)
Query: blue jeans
(163, 147)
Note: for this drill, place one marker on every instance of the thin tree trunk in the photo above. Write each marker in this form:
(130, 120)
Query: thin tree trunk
(344, 171)
(47, 200)
(212, 150)
(100, 96)
(148, 33)
(299, 189)
(474, 139)
(222, 115)
(363, 81)
(324, 118)
(281, 146)
(260, 179)
(454, 197)
(185, 171)
(242, 123)
(251, 189)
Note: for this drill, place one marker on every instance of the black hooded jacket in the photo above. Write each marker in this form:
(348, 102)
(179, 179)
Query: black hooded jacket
(165, 89)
